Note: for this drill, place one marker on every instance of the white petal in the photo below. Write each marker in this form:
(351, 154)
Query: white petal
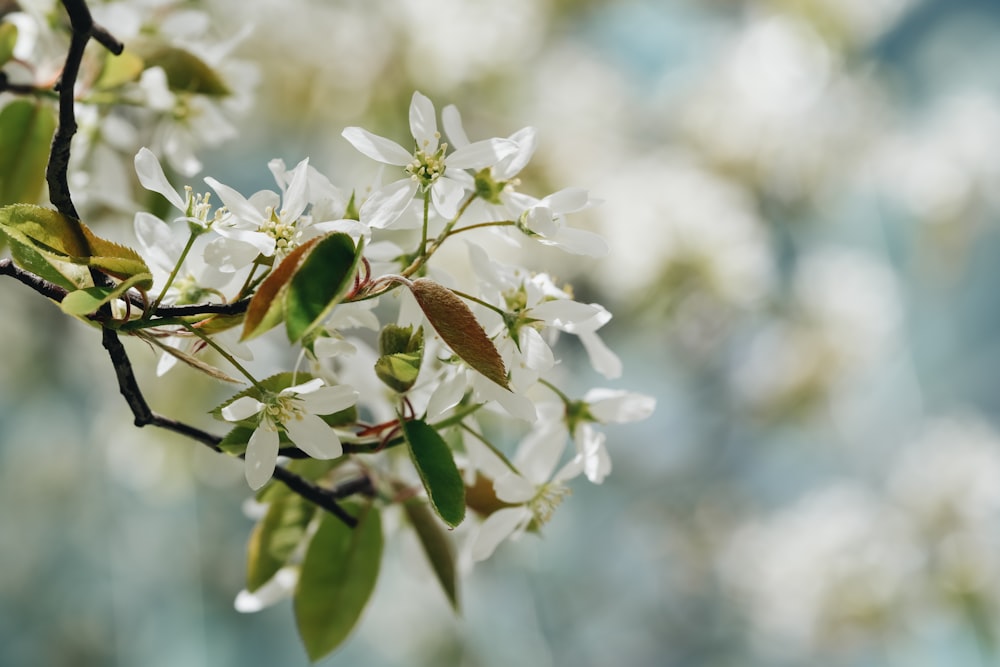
(616, 406)
(314, 436)
(377, 148)
(594, 455)
(304, 387)
(384, 206)
(495, 529)
(158, 242)
(516, 405)
(577, 242)
(236, 202)
(261, 242)
(563, 313)
(541, 221)
(447, 196)
(328, 347)
(446, 395)
(151, 176)
(452, 122)
(512, 488)
(277, 588)
(241, 408)
(543, 447)
(229, 255)
(261, 457)
(567, 200)
(535, 352)
(423, 125)
(327, 400)
(296, 197)
(480, 154)
(602, 358)
(511, 166)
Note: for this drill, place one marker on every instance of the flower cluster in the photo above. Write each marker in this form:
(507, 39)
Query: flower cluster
(225, 271)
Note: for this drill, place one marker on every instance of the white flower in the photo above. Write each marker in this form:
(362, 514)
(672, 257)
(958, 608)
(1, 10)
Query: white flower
(293, 410)
(535, 490)
(428, 170)
(543, 221)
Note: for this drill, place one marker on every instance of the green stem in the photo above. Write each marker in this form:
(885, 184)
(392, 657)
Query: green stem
(423, 229)
(480, 225)
(225, 355)
(482, 303)
(175, 271)
(492, 448)
(563, 397)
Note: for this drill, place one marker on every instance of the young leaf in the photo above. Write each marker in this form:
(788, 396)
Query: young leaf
(58, 237)
(436, 466)
(26, 130)
(320, 282)
(85, 301)
(402, 353)
(338, 576)
(8, 38)
(460, 329)
(186, 72)
(64, 274)
(437, 546)
(266, 308)
(275, 537)
(124, 68)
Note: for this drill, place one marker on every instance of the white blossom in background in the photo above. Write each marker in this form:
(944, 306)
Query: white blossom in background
(838, 564)
(940, 167)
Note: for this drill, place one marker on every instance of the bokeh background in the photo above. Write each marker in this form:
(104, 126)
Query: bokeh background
(801, 197)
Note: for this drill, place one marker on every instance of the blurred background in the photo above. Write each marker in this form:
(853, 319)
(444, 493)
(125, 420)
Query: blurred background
(801, 198)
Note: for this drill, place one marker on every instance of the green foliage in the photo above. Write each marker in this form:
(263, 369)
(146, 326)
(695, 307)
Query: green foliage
(88, 300)
(402, 352)
(338, 576)
(437, 547)
(55, 237)
(275, 537)
(26, 129)
(320, 282)
(185, 71)
(119, 70)
(266, 308)
(8, 38)
(436, 465)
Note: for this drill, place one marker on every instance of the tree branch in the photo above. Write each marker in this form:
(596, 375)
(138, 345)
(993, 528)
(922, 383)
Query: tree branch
(56, 176)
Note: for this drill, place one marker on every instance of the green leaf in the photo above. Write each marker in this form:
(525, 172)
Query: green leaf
(320, 282)
(460, 329)
(185, 71)
(275, 537)
(337, 579)
(118, 70)
(437, 547)
(26, 129)
(436, 466)
(8, 38)
(58, 237)
(266, 308)
(88, 300)
(64, 274)
(402, 353)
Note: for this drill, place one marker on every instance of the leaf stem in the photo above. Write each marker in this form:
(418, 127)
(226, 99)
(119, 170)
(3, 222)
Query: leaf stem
(218, 348)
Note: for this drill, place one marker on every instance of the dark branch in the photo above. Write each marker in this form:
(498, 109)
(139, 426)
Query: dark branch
(204, 309)
(40, 285)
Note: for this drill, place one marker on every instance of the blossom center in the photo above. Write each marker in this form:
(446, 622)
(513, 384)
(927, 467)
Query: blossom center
(285, 234)
(549, 496)
(427, 167)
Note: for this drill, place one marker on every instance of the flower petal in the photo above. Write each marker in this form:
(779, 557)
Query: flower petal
(327, 400)
(447, 196)
(377, 148)
(451, 119)
(512, 488)
(480, 154)
(261, 457)
(423, 125)
(151, 176)
(385, 206)
(602, 358)
(314, 436)
(616, 406)
(236, 202)
(498, 526)
(242, 408)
